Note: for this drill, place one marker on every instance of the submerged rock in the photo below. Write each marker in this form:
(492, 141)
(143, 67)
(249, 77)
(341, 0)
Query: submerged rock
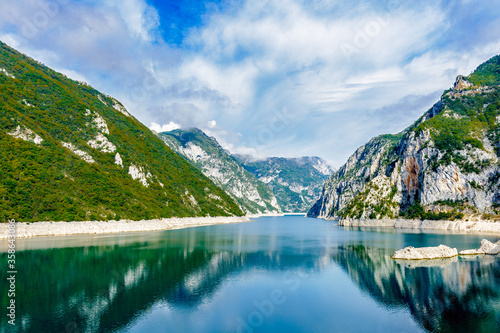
(412, 253)
(486, 247)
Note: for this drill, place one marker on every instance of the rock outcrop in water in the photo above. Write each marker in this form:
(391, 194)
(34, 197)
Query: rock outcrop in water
(460, 296)
(437, 252)
(443, 251)
(443, 167)
(486, 247)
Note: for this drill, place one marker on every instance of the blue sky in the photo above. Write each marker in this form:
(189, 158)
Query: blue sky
(265, 77)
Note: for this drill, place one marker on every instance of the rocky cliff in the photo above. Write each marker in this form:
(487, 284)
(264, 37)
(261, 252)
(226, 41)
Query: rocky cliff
(69, 152)
(296, 182)
(209, 157)
(444, 166)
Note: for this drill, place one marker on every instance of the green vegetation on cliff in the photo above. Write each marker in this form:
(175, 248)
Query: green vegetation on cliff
(488, 73)
(296, 182)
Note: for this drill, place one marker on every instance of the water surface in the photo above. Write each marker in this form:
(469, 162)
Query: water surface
(278, 274)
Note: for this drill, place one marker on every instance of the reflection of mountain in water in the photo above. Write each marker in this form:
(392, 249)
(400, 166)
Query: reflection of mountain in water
(461, 296)
(106, 288)
(110, 286)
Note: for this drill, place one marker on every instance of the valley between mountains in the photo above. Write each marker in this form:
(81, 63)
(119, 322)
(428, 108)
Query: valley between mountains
(72, 153)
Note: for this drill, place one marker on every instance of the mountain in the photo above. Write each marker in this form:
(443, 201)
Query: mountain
(71, 153)
(444, 166)
(207, 155)
(296, 182)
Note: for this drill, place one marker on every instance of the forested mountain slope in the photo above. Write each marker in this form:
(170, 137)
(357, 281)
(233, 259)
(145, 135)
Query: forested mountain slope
(296, 182)
(71, 153)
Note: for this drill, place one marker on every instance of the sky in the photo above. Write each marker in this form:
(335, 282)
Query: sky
(265, 77)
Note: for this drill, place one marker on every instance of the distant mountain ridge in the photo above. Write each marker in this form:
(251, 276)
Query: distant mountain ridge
(273, 185)
(71, 153)
(296, 182)
(444, 166)
(205, 153)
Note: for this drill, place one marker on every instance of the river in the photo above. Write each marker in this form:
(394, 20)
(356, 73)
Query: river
(277, 274)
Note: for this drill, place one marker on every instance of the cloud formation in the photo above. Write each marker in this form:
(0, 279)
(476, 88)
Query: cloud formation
(270, 77)
(164, 128)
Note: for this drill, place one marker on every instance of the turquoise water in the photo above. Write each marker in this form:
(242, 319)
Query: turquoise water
(278, 274)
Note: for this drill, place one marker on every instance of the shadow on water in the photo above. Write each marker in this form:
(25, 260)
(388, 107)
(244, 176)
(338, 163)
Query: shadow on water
(111, 283)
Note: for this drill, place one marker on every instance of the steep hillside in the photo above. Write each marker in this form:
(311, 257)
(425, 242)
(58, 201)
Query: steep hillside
(207, 155)
(71, 153)
(444, 166)
(296, 182)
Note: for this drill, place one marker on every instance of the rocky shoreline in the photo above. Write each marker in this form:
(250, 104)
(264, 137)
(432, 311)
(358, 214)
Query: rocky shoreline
(25, 230)
(482, 226)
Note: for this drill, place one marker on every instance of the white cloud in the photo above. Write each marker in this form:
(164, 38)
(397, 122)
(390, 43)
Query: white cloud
(247, 63)
(212, 124)
(141, 19)
(164, 128)
(10, 39)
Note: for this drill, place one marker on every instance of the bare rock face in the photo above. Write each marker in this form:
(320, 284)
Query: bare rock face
(412, 253)
(486, 247)
(366, 163)
(461, 83)
(495, 250)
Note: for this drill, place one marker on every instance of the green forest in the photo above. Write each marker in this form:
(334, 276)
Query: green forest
(48, 182)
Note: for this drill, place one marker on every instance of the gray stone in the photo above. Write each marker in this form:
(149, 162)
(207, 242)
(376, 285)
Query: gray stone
(412, 253)
(486, 247)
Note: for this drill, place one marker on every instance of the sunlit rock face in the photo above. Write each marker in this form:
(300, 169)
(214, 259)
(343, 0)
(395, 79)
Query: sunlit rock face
(271, 185)
(437, 252)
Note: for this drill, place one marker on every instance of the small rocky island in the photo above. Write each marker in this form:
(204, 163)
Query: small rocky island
(486, 247)
(443, 251)
(437, 252)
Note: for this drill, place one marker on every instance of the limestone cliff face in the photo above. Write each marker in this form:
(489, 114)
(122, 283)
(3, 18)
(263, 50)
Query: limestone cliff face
(443, 166)
(205, 153)
(341, 188)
